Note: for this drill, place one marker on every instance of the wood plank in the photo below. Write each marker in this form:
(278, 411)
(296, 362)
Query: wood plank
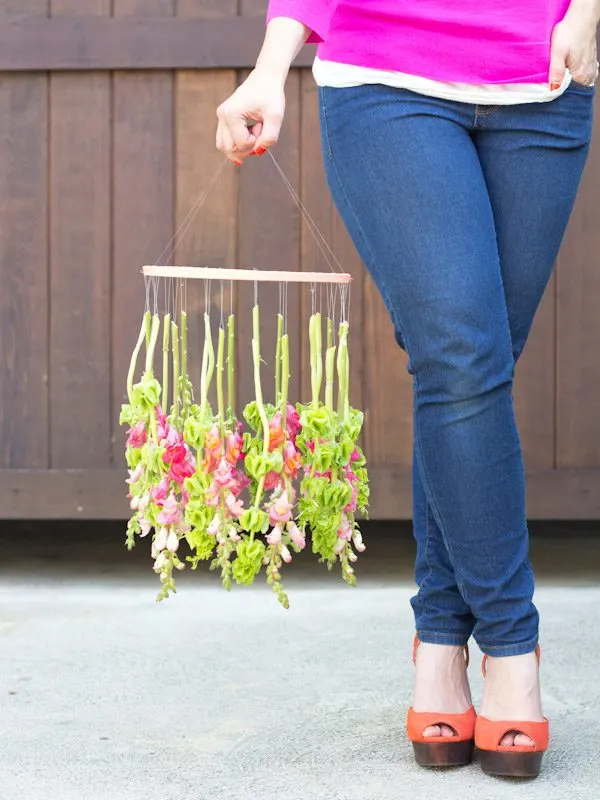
(535, 389)
(23, 261)
(87, 43)
(210, 239)
(80, 258)
(269, 237)
(578, 325)
(143, 198)
(317, 200)
(101, 494)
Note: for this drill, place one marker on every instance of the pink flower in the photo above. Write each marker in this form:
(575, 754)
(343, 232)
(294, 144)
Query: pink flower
(292, 422)
(162, 427)
(180, 470)
(285, 554)
(355, 455)
(215, 526)
(137, 435)
(185, 498)
(296, 536)
(281, 510)
(274, 536)
(235, 507)
(241, 482)
(234, 443)
(136, 474)
(345, 531)
(272, 480)
(351, 507)
(170, 513)
(159, 493)
(291, 459)
(176, 451)
(223, 475)
(212, 495)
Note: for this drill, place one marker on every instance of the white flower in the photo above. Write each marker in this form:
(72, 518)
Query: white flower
(172, 542)
(352, 557)
(160, 540)
(160, 562)
(285, 554)
(214, 526)
(358, 542)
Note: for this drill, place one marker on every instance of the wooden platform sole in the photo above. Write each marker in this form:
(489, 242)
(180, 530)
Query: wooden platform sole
(443, 754)
(511, 765)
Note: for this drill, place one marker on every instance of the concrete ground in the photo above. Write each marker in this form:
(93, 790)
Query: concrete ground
(105, 695)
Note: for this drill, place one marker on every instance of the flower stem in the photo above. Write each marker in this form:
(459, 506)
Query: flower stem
(231, 367)
(154, 331)
(258, 393)
(175, 349)
(329, 366)
(185, 394)
(316, 357)
(208, 363)
(134, 358)
(166, 353)
(278, 359)
(148, 323)
(342, 368)
(285, 377)
(220, 371)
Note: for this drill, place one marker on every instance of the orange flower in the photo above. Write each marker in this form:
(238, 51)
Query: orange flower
(234, 448)
(276, 433)
(292, 460)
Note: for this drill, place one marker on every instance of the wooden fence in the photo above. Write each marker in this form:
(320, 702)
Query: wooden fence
(107, 118)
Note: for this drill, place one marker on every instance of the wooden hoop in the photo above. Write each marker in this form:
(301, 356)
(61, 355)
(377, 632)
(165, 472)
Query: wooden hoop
(262, 275)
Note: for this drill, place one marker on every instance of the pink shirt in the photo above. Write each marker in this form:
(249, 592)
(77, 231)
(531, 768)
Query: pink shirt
(469, 41)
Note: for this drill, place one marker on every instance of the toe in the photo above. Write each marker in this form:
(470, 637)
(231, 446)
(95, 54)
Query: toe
(432, 730)
(521, 740)
(446, 730)
(508, 740)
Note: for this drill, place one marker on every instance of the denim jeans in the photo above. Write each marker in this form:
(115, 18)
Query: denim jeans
(458, 212)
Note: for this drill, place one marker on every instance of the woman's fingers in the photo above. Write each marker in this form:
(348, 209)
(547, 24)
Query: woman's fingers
(558, 58)
(269, 134)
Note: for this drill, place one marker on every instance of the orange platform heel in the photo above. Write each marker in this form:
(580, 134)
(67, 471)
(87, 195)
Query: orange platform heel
(441, 751)
(516, 761)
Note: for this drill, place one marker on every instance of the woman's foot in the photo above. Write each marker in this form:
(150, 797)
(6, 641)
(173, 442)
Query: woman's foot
(441, 684)
(512, 692)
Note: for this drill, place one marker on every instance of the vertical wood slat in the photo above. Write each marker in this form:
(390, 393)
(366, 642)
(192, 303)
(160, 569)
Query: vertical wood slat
(578, 325)
(80, 257)
(142, 181)
(23, 261)
(211, 237)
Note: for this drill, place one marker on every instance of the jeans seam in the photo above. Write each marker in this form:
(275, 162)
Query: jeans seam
(427, 561)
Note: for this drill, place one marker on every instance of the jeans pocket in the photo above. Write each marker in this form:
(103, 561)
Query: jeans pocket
(581, 88)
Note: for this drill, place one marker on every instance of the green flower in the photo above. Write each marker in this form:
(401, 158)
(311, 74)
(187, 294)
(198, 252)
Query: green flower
(202, 543)
(254, 520)
(317, 422)
(354, 423)
(146, 394)
(248, 562)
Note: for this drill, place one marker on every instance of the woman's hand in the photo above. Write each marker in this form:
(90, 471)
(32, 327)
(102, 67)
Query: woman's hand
(250, 120)
(574, 44)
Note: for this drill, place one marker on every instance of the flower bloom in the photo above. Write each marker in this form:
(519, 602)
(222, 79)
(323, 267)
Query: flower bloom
(272, 480)
(172, 541)
(235, 507)
(276, 432)
(223, 475)
(292, 460)
(135, 474)
(137, 435)
(358, 542)
(145, 526)
(292, 422)
(274, 536)
(160, 540)
(180, 470)
(345, 531)
(160, 562)
(296, 536)
(234, 442)
(281, 509)
(170, 513)
(162, 426)
(241, 482)
(160, 493)
(285, 554)
(215, 526)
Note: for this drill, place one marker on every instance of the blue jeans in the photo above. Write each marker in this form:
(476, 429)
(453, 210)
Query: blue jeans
(458, 212)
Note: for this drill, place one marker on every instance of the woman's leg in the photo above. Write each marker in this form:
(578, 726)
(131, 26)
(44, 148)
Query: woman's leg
(407, 179)
(532, 159)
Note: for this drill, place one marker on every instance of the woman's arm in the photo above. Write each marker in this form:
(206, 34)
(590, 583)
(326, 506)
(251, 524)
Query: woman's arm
(574, 44)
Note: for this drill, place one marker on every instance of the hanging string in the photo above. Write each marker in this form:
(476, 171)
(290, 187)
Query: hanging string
(222, 322)
(311, 224)
(175, 240)
(147, 287)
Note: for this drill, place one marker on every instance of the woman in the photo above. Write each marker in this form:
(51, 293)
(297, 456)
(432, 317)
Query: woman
(454, 138)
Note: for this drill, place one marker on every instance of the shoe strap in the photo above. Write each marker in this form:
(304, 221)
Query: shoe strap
(462, 724)
(417, 642)
(489, 733)
(538, 653)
